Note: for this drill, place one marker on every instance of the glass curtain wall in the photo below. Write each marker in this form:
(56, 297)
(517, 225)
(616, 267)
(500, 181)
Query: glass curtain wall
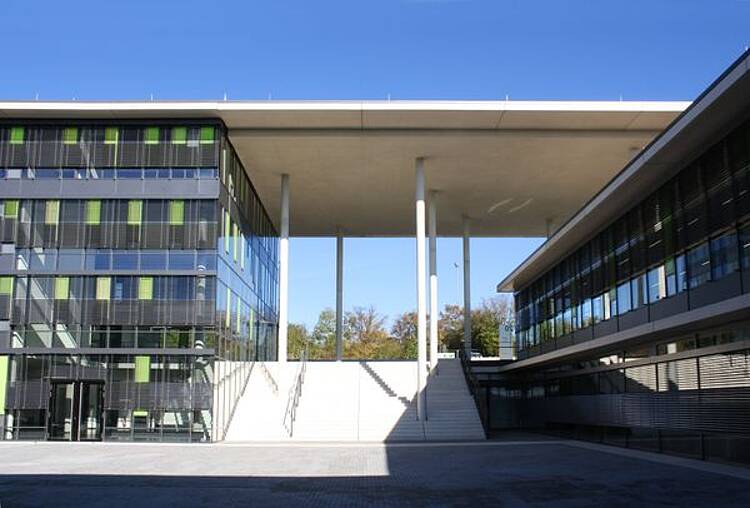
(689, 236)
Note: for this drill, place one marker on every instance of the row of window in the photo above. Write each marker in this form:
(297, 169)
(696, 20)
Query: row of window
(108, 147)
(106, 288)
(76, 260)
(109, 173)
(111, 135)
(681, 236)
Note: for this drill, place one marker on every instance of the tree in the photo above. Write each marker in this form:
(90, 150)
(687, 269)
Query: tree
(451, 327)
(298, 339)
(324, 336)
(404, 331)
(362, 324)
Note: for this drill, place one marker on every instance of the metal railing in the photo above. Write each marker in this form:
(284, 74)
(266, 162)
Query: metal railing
(295, 392)
(474, 388)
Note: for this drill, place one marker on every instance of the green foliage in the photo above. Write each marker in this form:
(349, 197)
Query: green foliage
(365, 335)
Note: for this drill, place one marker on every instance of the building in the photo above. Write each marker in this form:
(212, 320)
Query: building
(139, 279)
(633, 319)
(144, 261)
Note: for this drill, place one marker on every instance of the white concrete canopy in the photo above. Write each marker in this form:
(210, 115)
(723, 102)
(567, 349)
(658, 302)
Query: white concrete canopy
(512, 166)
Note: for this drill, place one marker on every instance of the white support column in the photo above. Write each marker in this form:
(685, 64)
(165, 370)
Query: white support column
(432, 229)
(339, 295)
(467, 289)
(421, 300)
(284, 270)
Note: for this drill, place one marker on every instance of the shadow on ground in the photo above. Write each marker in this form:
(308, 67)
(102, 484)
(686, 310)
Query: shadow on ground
(506, 474)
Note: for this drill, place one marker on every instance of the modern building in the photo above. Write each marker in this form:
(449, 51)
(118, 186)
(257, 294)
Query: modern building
(633, 318)
(144, 261)
(138, 279)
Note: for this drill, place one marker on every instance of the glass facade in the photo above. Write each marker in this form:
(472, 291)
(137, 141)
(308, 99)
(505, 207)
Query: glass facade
(684, 246)
(683, 395)
(126, 314)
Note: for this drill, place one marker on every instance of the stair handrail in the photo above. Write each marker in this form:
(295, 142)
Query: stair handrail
(473, 383)
(269, 378)
(295, 392)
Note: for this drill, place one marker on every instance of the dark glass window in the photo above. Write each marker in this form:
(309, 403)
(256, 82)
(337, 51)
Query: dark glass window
(739, 160)
(718, 188)
(698, 265)
(693, 204)
(724, 256)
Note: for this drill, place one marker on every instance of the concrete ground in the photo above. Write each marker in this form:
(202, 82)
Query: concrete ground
(509, 472)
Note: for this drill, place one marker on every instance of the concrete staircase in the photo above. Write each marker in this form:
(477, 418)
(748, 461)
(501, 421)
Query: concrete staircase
(452, 414)
(260, 411)
(359, 401)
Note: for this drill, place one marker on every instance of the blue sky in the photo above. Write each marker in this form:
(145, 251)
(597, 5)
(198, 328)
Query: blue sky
(408, 49)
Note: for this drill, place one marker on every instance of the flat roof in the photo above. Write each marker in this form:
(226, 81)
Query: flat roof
(516, 168)
(720, 108)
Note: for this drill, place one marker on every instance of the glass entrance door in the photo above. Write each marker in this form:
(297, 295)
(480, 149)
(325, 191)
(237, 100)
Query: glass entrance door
(75, 411)
(90, 411)
(61, 411)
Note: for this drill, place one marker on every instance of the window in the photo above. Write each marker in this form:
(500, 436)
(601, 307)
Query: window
(623, 298)
(135, 212)
(151, 136)
(52, 212)
(70, 135)
(62, 288)
(657, 284)
(10, 209)
(111, 135)
(93, 212)
(103, 288)
(146, 288)
(745, 246)
(676, 274)
(207, 135)
(6, 286)
(639, 291)
(176, 213)
(16, 135)
(179, 135)
(698, 265)
(724, 256)
(142, 370)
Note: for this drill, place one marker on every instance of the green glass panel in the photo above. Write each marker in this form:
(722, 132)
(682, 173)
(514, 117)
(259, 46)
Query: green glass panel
(10, 209)
(179, 135)
(52, 212)
(6, 285)
(140, 413)
(235, 240)
(239, 314)
(151, 136)
(70, 135)
(135, 212)
(111, 135)
(228, 317)
(16, 135)
(177, 213)
(3, 381)
(146, 288)
(103, 288)
(207, 135)
(93, 212)
(142, 370)
(227, 227)
(62, 288)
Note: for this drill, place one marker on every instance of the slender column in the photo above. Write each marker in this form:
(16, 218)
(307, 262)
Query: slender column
(339, 295)
(467, 289)
(432, 229)
(421, 307)
(284, 270)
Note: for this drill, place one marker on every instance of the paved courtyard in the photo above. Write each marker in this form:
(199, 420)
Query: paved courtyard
(508, 473)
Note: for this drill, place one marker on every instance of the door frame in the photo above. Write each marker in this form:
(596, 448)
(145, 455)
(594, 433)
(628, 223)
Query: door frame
(75, 411)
